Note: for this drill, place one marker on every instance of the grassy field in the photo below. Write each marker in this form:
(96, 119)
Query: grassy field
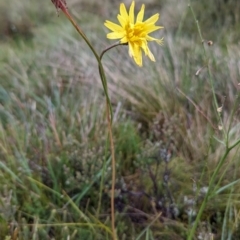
(176, 125)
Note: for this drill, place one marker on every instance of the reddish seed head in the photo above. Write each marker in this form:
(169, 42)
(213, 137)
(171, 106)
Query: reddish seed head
(60, 4)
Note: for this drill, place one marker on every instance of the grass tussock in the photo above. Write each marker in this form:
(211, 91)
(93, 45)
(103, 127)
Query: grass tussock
(55, 168)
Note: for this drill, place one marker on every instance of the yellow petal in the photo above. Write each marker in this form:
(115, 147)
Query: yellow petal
(159, 41)
(141, 14)
(131, 13)
(123, 11)
(144, 46)
(122, 21)
(153, 19)
(124, 39)
(130, 50)
(113, 26)
(115, 35)
(147, 50)
(151, 29)
(135, 52)
(150, 55)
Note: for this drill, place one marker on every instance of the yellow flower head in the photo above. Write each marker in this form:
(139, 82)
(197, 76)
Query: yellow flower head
(135, 34)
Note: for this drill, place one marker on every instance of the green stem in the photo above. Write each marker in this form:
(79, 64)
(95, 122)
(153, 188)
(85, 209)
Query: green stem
(106, 146)
(203, 205)
(110, 47)
(101, 70)
(235, 144)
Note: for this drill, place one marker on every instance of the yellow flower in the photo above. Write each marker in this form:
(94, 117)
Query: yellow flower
(135, 34)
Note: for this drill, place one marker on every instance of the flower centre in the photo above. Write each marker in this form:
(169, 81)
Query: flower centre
(135, 32)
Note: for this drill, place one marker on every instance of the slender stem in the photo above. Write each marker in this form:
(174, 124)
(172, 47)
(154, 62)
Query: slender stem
(113, 174)
(235, 144)
(109, 116)
(112, 149)
(101, 70)
(110, 47)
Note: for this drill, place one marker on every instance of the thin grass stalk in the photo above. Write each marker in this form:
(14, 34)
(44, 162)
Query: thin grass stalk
(86, 189)
(207, 65)
(212, 180)
(43, 186)
(70, 224)
(149, 225)
(224, 226)
(223, 174)
(227, 150)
